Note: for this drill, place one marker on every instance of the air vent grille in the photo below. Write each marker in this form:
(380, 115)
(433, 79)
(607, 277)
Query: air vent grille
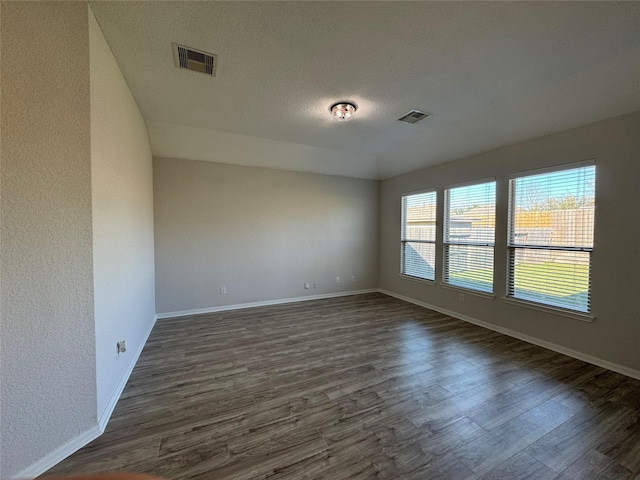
(413, 116)
(196, 60)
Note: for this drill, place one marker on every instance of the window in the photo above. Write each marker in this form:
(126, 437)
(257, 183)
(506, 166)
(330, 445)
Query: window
(469, 235)
(551, 218)
(419, 235)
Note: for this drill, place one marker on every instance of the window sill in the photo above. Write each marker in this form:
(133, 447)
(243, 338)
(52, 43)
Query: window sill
(417, 279)
(584, 317)
(468, 291)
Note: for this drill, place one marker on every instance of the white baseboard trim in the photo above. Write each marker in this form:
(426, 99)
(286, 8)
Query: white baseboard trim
(75, 444)
(238, 306)
(104, 417)
(629, 372)
(59, 454)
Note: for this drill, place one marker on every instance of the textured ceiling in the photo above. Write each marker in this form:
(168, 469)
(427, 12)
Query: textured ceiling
(491, 74)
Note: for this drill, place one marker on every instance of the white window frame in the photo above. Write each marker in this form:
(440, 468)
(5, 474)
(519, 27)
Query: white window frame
(404, 240)
(447, 244)
(512, 248)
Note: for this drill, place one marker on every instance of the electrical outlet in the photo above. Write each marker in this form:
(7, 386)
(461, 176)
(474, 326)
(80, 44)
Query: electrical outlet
(223, 290)
(461, 297)
(315, 285)
(306, 285)
(337, 279)
(353, 278)
(121, 346)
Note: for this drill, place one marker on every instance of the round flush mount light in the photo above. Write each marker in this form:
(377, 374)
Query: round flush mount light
(343, 111)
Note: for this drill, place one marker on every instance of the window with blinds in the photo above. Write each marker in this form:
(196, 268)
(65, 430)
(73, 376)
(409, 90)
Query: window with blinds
(469, 235)
(551, 220)
(419, 235)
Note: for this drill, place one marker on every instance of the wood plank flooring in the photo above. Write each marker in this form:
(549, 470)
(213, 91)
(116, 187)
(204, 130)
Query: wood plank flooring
(356, 387)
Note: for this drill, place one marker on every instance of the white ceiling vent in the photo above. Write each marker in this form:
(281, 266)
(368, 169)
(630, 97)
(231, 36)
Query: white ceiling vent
(195, 60)
(413, 116)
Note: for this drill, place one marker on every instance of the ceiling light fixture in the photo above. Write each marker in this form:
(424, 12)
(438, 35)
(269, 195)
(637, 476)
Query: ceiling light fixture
(343, 111)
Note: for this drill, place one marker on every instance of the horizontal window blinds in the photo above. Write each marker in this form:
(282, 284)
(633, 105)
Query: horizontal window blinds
(551, 226)
(419, 235)
(419, 260)
(469, 267)
(469, 236)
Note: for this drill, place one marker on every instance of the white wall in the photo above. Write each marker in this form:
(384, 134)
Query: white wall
(77, 233)
(77, 245)
(260, 233)
(615, 145)
(47, 330)
(121, 187)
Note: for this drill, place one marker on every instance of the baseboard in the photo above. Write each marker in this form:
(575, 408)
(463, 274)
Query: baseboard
(629, 372)
(58, 454)
(83, 439)
(104, 417)
(224, 308)
(75, 444)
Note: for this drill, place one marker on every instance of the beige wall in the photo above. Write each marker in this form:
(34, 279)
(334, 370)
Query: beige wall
(76, 212)
(77, 232)
(615, 145)
(47, 332)
(121, 188)
(260, 233)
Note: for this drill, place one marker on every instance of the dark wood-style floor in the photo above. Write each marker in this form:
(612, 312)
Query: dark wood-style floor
(365, 386)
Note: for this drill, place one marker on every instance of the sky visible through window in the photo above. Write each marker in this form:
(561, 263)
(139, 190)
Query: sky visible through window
(554, 185)
(421, 199)
(553, 215)
(578, 183)
(459, 197)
